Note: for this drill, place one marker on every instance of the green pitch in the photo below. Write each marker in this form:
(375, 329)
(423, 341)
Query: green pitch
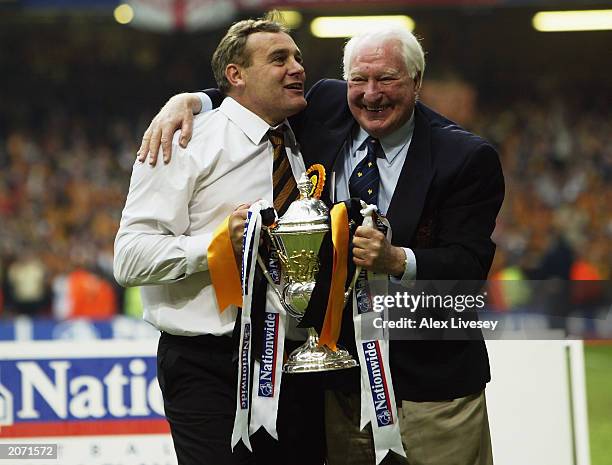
(598, 364)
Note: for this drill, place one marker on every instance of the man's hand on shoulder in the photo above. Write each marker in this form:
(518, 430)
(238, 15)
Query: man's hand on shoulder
(176, 113)
(372, 251)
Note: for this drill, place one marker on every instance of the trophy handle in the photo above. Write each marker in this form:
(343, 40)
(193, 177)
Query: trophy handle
(277, 290)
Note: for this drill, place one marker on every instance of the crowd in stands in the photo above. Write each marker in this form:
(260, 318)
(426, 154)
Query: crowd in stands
(62, 188)
(556, 219)
(63, 184)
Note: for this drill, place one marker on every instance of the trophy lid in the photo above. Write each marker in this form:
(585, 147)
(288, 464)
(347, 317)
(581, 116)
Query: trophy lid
(307, 214)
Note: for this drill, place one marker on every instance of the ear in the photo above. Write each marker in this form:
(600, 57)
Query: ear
(234, 74)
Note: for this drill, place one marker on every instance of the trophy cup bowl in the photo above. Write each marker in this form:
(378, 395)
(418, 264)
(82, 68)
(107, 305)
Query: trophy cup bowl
(297, 238)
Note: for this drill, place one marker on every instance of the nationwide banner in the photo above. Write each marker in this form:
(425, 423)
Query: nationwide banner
(99, 402)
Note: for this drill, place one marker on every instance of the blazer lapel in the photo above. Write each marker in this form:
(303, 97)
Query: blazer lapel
(413, 184)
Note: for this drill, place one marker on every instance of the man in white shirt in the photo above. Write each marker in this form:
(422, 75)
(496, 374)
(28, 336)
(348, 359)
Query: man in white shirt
(168, 223)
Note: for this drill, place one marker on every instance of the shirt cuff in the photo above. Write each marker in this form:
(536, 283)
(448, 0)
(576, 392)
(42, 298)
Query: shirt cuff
(409, 270)
(196, 248)
(205, 101)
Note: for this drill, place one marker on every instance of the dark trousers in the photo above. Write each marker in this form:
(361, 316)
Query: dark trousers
(198, 381)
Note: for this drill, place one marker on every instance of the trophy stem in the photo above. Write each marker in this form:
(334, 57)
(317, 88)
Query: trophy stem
(311, 358)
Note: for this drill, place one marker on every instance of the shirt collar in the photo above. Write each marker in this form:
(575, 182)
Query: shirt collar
(392, 144)
(255, 128)
(290, 140)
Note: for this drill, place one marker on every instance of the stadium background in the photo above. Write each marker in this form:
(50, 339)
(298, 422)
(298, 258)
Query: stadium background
(77, 90)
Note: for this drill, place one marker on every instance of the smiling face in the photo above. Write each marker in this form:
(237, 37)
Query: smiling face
(271, 85)
(381, 93)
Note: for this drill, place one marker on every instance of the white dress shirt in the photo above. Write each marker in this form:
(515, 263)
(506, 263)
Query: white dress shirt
(172, 211)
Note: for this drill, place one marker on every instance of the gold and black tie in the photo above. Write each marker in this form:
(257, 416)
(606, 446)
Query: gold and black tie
(285, 188)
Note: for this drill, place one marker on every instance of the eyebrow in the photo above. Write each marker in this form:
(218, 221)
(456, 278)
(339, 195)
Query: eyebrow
(384, 72)
(284, 52)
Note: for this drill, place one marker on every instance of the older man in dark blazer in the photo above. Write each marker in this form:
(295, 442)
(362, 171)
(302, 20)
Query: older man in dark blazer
(443, 209)
(441, 188)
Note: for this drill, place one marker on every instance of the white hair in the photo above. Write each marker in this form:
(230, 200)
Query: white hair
(411, 49)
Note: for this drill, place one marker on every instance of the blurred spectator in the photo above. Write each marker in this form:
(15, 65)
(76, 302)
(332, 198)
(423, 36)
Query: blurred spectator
(82, 294)
(26, 287)
(557, 260)
(506, 288)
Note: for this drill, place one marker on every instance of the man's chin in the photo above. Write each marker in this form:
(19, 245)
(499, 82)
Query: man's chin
(376, 128)
(297, 105)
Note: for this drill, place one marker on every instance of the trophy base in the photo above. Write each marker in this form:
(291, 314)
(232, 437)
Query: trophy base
(312, 358)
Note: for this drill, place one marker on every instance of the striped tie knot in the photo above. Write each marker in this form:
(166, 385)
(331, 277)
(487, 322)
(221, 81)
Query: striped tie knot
(277, 136)
(284, 186)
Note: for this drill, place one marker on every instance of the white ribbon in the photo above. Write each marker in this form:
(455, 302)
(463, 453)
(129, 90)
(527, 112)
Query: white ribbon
(262, 401)
(250, 246)
(268, 373)
(378, 405)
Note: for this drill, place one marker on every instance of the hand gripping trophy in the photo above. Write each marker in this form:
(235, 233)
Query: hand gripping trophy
(296, 238)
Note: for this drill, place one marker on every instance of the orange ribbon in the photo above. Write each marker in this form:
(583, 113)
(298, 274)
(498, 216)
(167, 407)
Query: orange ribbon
(223, 270)
(335, 303)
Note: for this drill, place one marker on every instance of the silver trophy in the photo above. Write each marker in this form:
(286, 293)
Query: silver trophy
(297, 238)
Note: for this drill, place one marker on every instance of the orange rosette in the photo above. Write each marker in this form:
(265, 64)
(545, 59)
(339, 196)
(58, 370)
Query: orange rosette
(316, 175)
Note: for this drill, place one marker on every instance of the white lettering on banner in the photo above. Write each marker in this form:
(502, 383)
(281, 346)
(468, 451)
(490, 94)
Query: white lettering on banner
(380, 396)
(244, 368)
(267, 357)
(54, 392)
(115, 381)
(84, 396)
(138, 385)
(156, 401)
(88, 400)
(268, 362)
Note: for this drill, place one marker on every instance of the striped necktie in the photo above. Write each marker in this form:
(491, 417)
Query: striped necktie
(365, 179)
(285, 187)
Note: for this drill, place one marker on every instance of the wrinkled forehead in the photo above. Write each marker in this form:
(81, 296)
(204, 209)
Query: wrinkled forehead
(265, 43)
(385, 52)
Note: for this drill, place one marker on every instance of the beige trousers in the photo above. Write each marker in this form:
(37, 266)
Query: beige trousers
(454, 432)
